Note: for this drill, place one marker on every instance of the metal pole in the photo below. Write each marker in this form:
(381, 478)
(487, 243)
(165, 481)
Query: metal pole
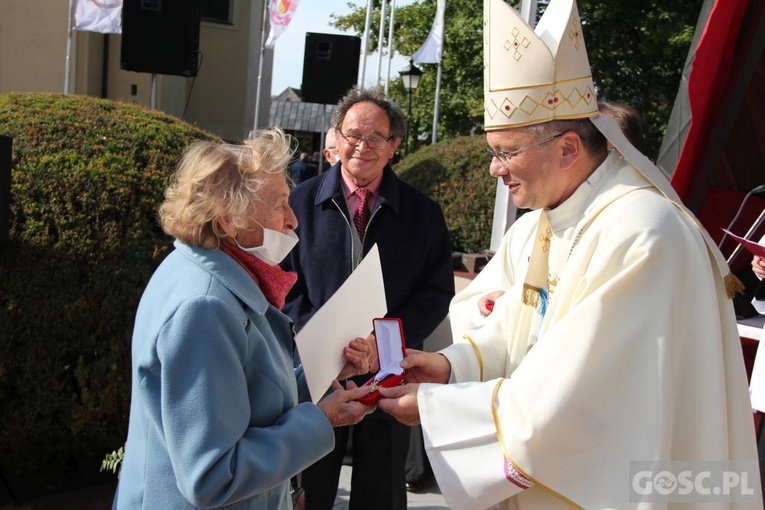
(153, 91)
(436, 104)
(529, 11)
(749, 233)
(260, 63)
(380, 41)
(390, 43)
(408, 120)
(69, 32)
(365, 44)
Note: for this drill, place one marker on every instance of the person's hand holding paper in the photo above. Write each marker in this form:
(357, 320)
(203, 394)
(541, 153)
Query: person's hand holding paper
(346, 316)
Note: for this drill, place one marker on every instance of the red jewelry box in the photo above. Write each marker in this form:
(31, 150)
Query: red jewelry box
(391, 351)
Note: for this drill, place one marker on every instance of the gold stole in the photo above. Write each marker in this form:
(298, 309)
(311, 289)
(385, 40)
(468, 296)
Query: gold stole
(548, 257)
(535, 284)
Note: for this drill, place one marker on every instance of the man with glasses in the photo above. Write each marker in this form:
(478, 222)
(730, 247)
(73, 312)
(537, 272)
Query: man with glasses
(597, 370)
(341, 214)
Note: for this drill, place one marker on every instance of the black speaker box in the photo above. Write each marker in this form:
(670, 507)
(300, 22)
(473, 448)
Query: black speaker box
(160, 36)
(330, 67)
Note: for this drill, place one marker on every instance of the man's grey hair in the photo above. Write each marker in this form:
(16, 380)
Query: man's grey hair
(376, 96)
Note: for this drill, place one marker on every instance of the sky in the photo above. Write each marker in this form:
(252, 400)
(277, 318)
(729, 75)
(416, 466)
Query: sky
(314, 16)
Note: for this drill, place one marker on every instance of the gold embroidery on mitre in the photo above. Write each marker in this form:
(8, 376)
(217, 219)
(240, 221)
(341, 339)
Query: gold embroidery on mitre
(517, 44)
(551, 100)
(530, 77)
(575, 33)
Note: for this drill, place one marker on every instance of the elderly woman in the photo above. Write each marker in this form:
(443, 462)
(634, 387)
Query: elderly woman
(215, 419)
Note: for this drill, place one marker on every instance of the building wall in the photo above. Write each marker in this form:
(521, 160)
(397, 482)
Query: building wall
(221, 99)
(32, 38)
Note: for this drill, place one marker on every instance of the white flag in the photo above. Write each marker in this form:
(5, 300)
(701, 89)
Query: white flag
(280, 14)
(432, 50)
(104, 16)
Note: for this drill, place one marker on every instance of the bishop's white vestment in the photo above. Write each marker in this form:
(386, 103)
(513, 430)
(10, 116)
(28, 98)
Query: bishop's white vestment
(637, 358)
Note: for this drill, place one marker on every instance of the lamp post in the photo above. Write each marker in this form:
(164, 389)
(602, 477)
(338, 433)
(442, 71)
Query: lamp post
(410, 77)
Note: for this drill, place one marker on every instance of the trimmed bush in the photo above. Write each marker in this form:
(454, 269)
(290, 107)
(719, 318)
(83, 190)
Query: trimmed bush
(87, 178)
(455, 173)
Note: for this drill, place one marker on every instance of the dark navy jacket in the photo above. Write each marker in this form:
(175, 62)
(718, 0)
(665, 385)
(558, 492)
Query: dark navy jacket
(410, 232)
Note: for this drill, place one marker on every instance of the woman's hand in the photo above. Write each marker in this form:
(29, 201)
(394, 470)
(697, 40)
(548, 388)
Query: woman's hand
(340, 406)
(361, 354)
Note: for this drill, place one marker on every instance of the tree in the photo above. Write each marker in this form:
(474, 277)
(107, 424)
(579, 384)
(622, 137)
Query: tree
(461, 106)
(637, 51)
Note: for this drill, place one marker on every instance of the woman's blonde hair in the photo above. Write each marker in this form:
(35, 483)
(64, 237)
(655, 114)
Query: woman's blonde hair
(221, 180)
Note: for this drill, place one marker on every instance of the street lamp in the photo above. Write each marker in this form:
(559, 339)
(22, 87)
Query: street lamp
(410, 77)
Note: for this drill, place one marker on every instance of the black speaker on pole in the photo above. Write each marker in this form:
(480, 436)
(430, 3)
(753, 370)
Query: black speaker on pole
(160, 36)
(330, 67)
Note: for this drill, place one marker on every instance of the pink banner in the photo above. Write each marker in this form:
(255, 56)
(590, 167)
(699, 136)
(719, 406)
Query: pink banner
(280, 14)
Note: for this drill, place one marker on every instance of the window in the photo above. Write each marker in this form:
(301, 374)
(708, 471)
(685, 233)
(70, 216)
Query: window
(218, 11)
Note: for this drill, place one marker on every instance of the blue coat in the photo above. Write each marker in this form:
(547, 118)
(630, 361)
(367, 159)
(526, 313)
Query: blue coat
(214, 416)
(411, 234)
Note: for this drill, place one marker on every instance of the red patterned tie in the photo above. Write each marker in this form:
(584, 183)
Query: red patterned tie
(361, 218)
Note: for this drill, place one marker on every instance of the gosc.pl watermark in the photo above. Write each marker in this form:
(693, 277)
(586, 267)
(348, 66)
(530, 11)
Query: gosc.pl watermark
(693, 481)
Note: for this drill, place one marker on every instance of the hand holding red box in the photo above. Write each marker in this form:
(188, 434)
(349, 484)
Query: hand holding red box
(390, 352)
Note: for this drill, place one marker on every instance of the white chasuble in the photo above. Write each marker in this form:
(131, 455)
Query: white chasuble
(630, 364)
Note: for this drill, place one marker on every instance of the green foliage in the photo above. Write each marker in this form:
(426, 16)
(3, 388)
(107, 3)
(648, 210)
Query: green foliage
(455, 173)
(637, 51)
(87, 178)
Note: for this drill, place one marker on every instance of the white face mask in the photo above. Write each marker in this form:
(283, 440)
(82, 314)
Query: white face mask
(275, 247)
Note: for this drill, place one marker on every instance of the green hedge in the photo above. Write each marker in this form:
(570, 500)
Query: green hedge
(455, 173)
(87, 177)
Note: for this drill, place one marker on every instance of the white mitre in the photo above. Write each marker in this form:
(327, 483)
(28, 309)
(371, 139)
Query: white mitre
(535, 76)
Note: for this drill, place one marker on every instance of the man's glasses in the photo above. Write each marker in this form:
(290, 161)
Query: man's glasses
(372, 141)
(504, 157)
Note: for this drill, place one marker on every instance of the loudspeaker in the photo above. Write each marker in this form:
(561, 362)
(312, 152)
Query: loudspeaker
(6, 150)
(330, 67)
(160, 36)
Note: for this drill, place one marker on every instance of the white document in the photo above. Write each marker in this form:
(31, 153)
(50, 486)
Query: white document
(348, 314)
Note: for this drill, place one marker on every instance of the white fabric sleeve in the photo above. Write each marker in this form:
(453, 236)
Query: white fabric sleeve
(462, 446)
